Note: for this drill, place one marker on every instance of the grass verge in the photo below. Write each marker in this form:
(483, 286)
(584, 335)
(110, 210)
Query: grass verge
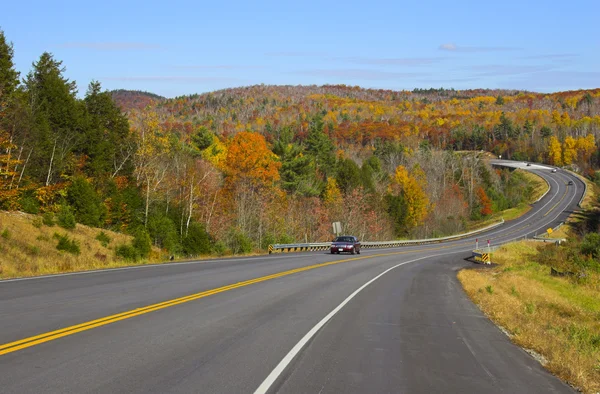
(557, 317)
(30, 248)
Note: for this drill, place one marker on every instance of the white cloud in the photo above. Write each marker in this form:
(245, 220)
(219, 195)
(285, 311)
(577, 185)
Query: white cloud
(448, 47)
(451, 47)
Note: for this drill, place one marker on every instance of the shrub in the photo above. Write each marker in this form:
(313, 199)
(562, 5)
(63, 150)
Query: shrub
(591, 245)
(163, 233)
(29, 204)
(68, 245)
(5, 234)
(239, 242)
(42, 237)
(219, 248)
(141, 242)
(48, 219)
(127, 252)
(197, 241)
(65, 217)
(37, 222)
(103, 238)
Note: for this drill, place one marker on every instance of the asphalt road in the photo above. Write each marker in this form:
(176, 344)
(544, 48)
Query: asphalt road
(412, 329)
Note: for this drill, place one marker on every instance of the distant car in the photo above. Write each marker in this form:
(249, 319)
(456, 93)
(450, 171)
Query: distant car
(554, 170)
(570, 183)
(345, 243)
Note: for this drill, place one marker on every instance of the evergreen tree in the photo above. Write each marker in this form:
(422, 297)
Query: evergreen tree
(348, 176)
(320, 147)
(56, 116)
(87, 204)
(106, 141)
(297, 170)
(9, 77)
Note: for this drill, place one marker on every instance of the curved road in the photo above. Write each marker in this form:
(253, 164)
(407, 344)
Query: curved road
(387, 321)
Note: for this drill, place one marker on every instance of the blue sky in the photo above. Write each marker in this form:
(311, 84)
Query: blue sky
(185, 47)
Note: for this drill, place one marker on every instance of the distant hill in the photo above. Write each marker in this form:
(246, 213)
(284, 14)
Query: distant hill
(134, 99)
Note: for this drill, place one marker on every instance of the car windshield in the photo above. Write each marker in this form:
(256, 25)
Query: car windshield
(344, 239)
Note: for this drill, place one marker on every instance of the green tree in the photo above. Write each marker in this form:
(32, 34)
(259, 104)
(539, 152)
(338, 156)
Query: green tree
(348, 176)
(397, 209)
(197, 241)
(504, 130)
(320, 147)
(545, 132)
(203, 138)
(141, 242)
(9, 77)
(163, 233)
(297, 169)
(107, 141)
(87, 204)
(56, 117)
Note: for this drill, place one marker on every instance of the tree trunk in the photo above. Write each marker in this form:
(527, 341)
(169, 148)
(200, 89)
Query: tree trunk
(147, 202)
(16, 168)
(191, 204)
(23, 169)
(51, 161)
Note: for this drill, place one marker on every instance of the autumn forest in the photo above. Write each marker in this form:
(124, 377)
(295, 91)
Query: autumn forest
(235, 170)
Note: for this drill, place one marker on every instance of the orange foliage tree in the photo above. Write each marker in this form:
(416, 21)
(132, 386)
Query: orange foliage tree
(486, 203)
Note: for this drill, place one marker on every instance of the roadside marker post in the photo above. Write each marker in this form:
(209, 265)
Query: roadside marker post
(476, 243)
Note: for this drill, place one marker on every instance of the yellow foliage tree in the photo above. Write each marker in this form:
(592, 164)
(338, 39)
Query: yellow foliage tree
(569, 150)
(586, 146)
(332, 194)
(554, 151)
(417, 201)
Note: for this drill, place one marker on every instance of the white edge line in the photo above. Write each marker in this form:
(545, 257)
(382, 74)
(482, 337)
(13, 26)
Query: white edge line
(274, 375)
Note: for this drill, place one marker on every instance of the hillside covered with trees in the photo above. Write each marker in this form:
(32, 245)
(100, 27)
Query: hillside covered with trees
(238, 169)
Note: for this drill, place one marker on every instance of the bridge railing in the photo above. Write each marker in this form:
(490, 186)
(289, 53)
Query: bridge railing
(309, 247)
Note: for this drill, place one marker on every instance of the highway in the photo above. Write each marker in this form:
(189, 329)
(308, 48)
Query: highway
(387, 321)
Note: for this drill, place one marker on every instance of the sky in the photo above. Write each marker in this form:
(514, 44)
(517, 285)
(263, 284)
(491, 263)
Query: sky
(175, 48)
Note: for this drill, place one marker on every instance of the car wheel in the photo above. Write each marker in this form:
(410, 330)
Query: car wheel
(352, 251)
(332, 252)
(358, 251)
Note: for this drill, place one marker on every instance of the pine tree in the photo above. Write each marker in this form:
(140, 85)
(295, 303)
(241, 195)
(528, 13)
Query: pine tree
(56, 118)
(9, 77)
(107, 141)
(320, 147)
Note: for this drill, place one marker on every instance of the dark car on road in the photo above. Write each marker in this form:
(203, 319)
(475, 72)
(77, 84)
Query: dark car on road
(345, 243)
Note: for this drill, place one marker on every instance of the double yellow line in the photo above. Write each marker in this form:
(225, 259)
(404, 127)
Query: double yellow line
(63, 332)
(559, 201)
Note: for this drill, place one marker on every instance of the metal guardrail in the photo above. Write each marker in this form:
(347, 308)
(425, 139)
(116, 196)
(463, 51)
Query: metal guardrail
(585, 187)
(309, 247)
(546, 237)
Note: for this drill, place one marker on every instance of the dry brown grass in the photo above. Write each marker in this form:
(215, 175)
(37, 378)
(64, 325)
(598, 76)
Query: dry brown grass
(28, 250)
(553, 316)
